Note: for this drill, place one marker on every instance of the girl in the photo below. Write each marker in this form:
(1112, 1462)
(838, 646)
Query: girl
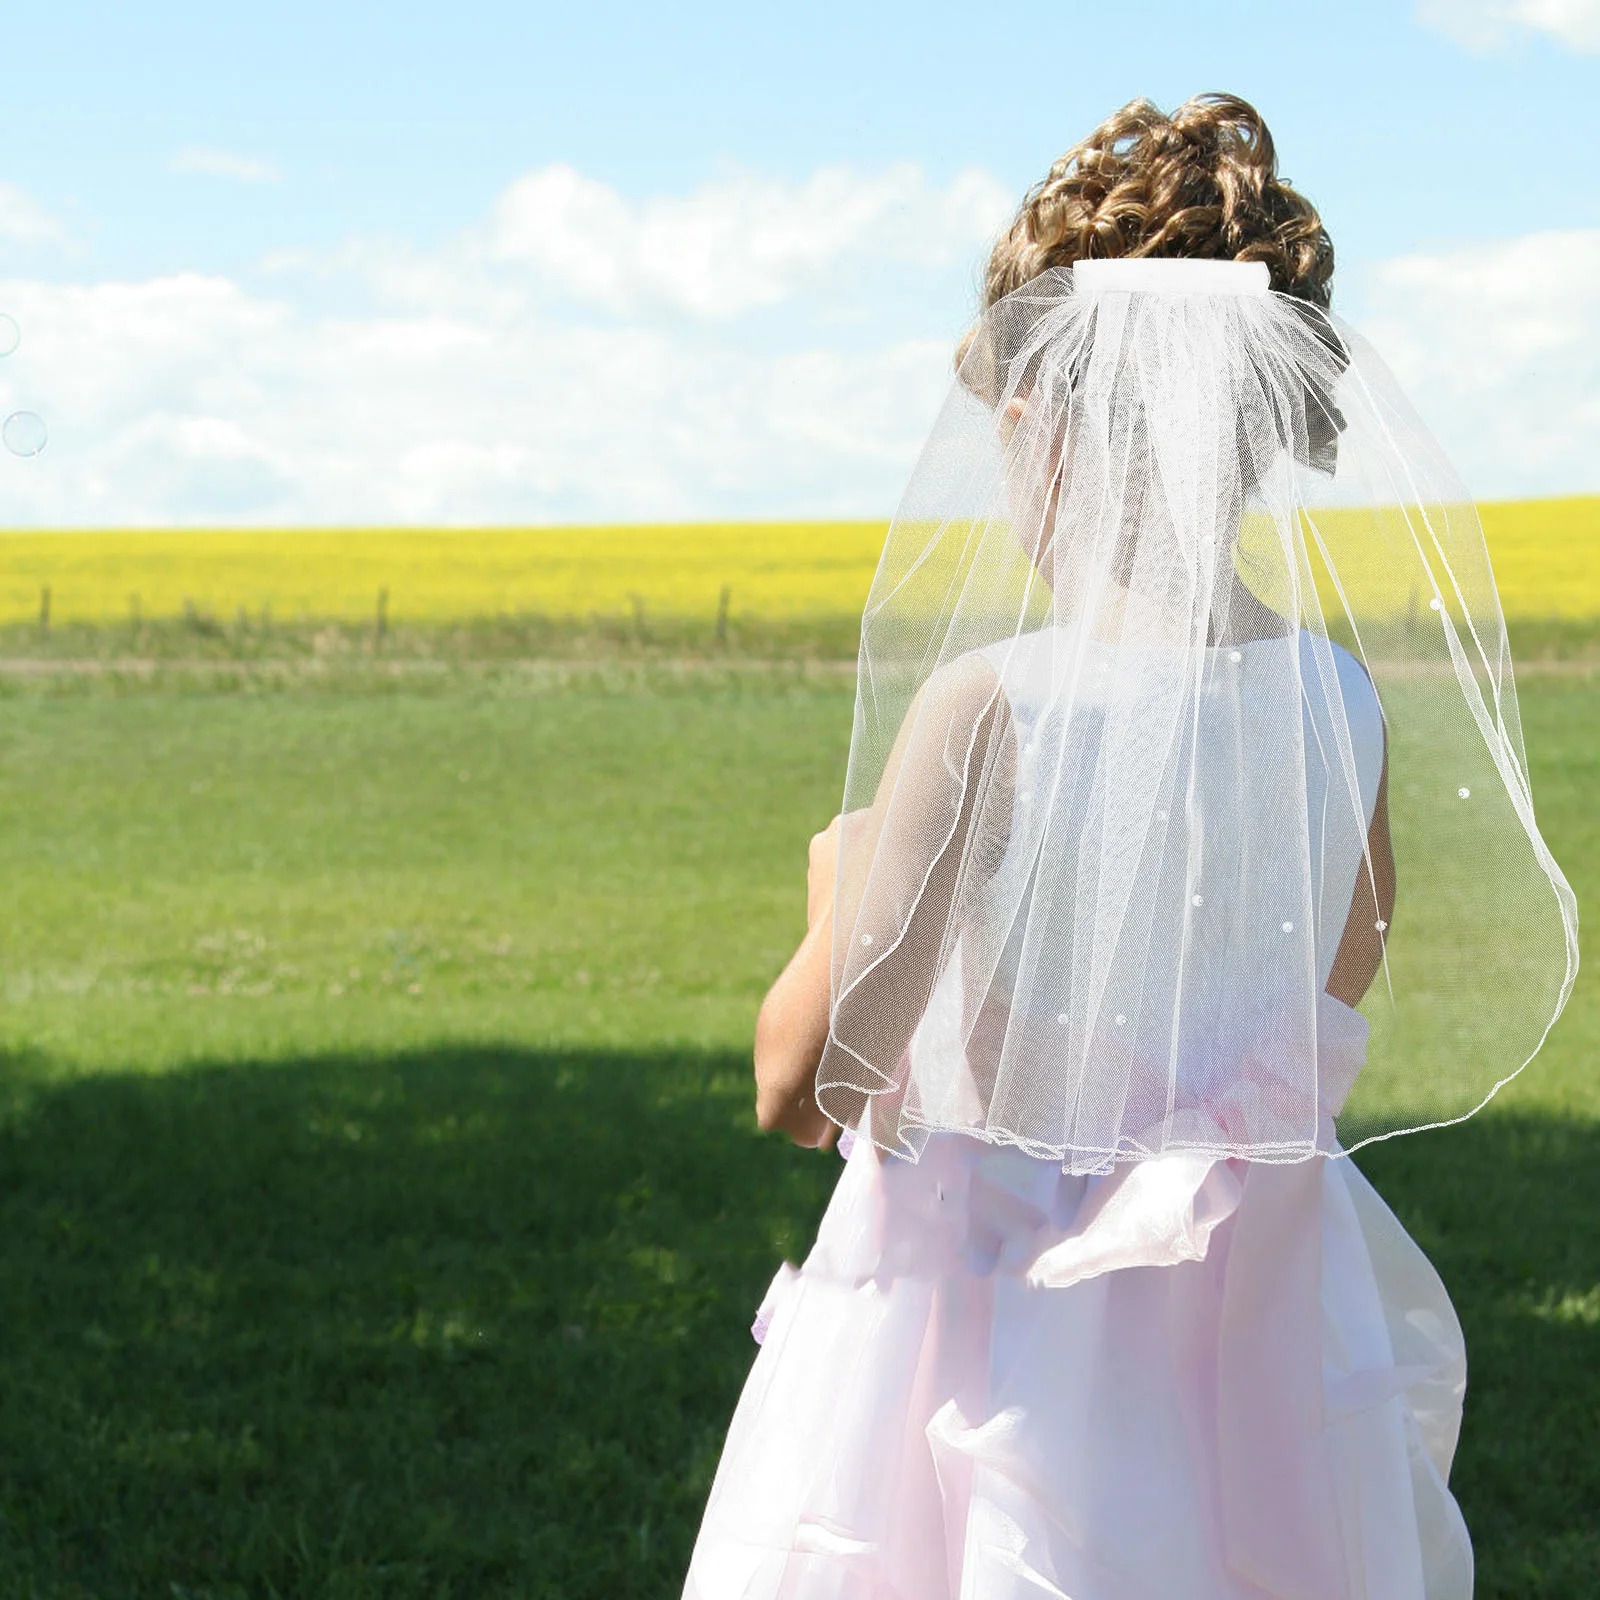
(1182, 635)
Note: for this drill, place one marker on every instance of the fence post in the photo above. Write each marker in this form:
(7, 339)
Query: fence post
(638, 617)
(44, 609)
(382, 626)
(722, 613)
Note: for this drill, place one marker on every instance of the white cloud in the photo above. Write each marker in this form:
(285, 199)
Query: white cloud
(1498, 344)
(734, 244)
(756, 347)
(1491, 24)
(575, 356)
(224, 164)
(24, 221)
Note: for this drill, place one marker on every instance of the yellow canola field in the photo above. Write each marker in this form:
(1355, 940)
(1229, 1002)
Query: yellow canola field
(1546, 556)
(437, 574)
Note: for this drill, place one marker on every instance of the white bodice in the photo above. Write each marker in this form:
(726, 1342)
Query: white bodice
(1031, 668)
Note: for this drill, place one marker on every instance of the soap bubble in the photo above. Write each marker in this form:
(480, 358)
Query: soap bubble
(24, 433)
(10, 334)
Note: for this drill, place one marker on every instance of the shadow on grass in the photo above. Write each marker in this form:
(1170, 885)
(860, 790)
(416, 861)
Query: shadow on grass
(1505, 1206)
(471, 1323)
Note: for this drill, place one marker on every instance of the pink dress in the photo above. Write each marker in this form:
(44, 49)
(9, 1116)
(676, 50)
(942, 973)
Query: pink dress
(1184, 1380)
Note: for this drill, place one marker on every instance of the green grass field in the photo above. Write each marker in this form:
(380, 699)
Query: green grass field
(381, 1208)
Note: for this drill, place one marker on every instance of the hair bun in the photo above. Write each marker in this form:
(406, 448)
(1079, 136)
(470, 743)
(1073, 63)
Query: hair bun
(1201, 182)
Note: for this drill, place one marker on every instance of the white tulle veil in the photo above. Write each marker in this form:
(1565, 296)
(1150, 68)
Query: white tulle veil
(1180, 597)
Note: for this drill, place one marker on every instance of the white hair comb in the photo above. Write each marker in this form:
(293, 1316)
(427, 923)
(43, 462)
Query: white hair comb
(1164, 275)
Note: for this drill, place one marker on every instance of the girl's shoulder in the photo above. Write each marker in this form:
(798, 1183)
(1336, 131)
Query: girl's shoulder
(1030, 667)
(1357, 695)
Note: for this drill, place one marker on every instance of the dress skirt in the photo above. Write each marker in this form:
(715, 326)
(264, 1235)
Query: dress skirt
(1184, 1380)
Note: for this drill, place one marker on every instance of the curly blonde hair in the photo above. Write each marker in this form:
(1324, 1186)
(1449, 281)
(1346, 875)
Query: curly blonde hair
(1201, 182)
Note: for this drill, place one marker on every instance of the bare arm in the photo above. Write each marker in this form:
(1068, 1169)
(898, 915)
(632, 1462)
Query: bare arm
(972, 730)
(1360, 952)
(792, 1025)
(966, 715)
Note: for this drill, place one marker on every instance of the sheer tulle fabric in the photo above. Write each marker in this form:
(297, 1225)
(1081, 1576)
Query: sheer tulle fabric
(1178, 578)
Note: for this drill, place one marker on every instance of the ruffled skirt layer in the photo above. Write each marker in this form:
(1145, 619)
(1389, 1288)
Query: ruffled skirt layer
(1180, 1381)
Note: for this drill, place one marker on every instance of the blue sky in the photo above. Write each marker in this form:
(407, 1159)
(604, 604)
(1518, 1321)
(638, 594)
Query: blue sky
(411, 236)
